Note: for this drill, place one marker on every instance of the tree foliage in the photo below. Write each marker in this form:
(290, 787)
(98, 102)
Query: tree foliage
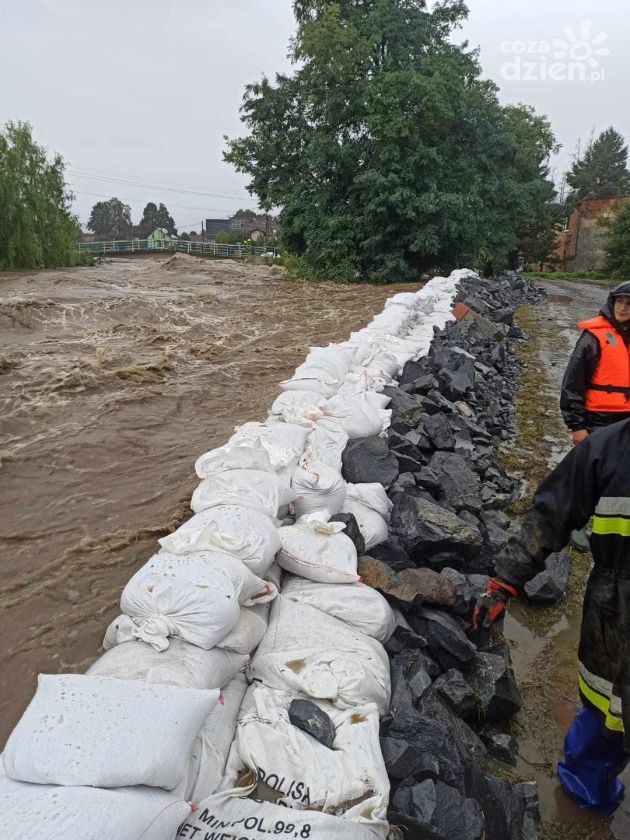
(111, 220)
(603, 171)
(250, 215)
(387, 151)
(37, 229)
(617, 243)
(154, 217)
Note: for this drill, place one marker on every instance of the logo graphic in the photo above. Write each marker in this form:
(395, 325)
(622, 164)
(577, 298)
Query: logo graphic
(581, 47)
(576, 57)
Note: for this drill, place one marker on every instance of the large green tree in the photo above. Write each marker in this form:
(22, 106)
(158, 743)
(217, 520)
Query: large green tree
(387, 152)
(37, 229)
(617, 243)
(603, 171)
(154, 217)
(111, 220)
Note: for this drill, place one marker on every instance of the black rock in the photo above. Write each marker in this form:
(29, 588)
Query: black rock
(426, 529)
(423, 384)
(510, 811)
(501, 746)
(446, 640)
(464, 601)
(504, 316)
(411, 673)
(459, 484)
(351, 530)
(434, 811)
(414, 370)
(393, 553)
(439, 431)
(457, 694)
(311, 719)
(492, 678)
(495, 537)
(550, 585)
(427, 479)
(368, 460)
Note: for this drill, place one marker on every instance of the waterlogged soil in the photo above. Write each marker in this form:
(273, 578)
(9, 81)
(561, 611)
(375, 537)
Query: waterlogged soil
(544, 640)
(113, 380)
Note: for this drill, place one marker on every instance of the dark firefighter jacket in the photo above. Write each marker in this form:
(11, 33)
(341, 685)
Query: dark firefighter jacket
(581, 371)
(593, 480)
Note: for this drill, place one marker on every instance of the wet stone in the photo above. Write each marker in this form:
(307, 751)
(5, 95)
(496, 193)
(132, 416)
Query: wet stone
(550, 585)
(492, 678)
(501, 746)
(456, 693)
(446, 640)
(393, 553)
(431, 810)
(351, 530)
(426, 529)
(311, 719)
(439, 431)
(408, 587)
(368, 460)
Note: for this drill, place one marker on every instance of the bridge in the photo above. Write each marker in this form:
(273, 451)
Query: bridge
(198, 249)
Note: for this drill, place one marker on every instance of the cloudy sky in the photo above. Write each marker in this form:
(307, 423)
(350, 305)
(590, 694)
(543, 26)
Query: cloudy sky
(137, 96)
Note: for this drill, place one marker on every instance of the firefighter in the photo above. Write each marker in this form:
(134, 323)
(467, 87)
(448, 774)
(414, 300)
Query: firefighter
(593, 480)
(596, 385)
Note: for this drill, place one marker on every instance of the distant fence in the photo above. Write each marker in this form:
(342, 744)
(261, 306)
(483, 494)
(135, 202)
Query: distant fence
(201, 249)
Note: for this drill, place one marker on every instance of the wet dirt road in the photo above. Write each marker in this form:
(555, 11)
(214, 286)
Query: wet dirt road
(113, 379)
(544, 641)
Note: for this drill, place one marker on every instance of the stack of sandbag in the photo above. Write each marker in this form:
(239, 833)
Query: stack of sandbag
(165, 715)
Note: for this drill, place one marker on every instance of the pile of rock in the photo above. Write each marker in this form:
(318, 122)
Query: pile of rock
(450, 685)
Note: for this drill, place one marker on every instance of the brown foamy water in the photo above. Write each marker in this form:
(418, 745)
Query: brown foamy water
(113, 380)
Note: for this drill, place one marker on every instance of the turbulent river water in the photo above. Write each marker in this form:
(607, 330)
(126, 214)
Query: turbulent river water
(113, 379)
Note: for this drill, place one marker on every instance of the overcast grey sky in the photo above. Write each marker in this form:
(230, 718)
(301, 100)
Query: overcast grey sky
(143, 91)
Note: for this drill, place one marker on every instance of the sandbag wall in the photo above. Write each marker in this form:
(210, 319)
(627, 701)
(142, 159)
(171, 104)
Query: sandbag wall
(178, 710)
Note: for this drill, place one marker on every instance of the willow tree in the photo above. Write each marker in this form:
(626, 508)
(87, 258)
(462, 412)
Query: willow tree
(37, 229)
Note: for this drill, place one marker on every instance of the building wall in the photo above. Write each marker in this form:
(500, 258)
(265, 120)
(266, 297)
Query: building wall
(583, 243)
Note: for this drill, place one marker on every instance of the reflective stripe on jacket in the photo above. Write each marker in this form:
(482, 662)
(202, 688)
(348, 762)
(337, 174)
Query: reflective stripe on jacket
(593, 480)
(609, 389)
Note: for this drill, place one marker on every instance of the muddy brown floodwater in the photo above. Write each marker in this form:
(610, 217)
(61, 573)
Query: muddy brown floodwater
(113, 379)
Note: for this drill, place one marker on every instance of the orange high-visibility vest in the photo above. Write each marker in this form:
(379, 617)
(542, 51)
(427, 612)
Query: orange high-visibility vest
(609, 390)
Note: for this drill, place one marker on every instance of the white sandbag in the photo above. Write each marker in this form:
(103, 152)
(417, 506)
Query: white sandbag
(242, 532)
(337, 359)
(233, 816)
(318, 550)
(283, 442)
(182, 664)
(371, 524)
(194, 597)
(85, 730)
(356, 604)
(248, 632)
(318, 489)
(357, 416)
(49, 812)
(313, 380)
(307, 651)
(325, 444)
(274, 575)
(243, 455)
(262, 491)
(406, 299)
(306, 774)
(291, 400)
(211, 749)
(372, 495)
